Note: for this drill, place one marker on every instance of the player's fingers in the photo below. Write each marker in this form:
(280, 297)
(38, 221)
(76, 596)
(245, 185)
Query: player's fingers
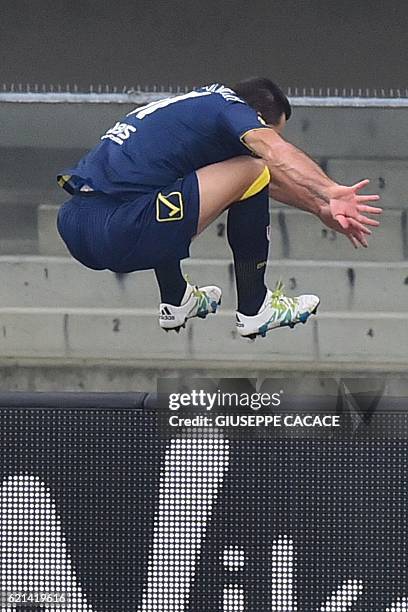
(368, 198)
(359, 227)
(353, 241)
(343, 221)
(373, 210)
(359, 236)
(360, 185)
(368, 221)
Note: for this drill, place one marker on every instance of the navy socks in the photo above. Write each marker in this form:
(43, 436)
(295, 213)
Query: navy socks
(247, 228)
(247, 232)
(171, 282)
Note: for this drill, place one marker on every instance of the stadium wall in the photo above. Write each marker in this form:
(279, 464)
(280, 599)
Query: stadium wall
(299, 43)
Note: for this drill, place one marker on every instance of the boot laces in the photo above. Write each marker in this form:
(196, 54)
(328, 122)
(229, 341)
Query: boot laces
(201, 296)
(281, 301)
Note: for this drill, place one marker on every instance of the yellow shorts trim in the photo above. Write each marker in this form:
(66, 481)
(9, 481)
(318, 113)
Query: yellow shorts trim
(257, 186)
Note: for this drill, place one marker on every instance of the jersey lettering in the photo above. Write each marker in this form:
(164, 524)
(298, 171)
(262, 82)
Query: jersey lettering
(119, 133)
(171, 141)
(227, 93)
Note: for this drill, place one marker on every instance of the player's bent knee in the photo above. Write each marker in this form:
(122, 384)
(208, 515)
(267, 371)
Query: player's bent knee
(224, 183)
(259, 183)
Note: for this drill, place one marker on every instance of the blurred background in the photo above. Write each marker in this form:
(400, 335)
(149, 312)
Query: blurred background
(303, 43)
(65, 327)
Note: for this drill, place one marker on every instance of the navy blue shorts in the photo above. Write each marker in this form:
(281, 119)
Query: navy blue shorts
(105, 232)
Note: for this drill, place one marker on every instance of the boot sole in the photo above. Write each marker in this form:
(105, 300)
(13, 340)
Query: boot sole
(291, 325)
(214, 307)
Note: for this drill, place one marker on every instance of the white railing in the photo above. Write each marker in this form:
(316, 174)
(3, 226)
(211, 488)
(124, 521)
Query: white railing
(104, 94)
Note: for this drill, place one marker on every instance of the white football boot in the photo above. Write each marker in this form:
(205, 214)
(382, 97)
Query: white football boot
(277, 310)
(197, 302)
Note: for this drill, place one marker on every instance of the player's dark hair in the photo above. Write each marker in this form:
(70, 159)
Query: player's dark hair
(265, 97)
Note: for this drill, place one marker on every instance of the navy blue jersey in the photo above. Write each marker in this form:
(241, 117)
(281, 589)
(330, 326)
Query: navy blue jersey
(157, 144)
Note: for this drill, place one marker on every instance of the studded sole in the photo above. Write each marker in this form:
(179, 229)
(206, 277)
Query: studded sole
(214, 306)
(291, 325)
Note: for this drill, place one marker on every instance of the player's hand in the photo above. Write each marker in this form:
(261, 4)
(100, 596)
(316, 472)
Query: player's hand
(355, 235)
(347, 205)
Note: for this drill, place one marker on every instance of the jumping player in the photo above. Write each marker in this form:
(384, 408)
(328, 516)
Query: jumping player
(167, 170)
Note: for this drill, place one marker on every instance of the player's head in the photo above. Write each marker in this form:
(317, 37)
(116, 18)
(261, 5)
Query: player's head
(266, 98)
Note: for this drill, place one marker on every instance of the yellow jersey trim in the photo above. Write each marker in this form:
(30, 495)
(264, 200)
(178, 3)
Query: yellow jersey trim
(259, 183)
(261, 127)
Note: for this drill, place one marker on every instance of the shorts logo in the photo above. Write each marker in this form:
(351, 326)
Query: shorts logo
(169, 207)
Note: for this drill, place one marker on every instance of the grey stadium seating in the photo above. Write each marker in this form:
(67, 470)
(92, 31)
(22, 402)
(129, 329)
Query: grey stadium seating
(55, 309)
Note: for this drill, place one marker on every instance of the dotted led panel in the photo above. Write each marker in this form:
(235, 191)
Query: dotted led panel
(99, 513)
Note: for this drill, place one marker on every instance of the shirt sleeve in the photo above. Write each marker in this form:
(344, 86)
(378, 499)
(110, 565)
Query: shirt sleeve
(237, 118)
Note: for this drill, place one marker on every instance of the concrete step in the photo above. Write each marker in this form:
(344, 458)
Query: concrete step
(299, 235)
(294, 235)
(49, 241)
(121, 375)
(34, 168)
(17, 246)
(18, 230)
(26, 198)
(361, 133)
(388, 177)
(62, 282)
(19, 218)
(135, 334)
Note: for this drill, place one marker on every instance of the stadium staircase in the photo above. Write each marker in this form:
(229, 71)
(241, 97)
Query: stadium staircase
(62, 322)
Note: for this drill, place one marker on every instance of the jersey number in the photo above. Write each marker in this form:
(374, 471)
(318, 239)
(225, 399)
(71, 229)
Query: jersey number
(142, 111)
(121, 131)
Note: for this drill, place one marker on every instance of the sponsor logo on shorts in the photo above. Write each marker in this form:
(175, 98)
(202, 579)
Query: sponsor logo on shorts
(169, 207)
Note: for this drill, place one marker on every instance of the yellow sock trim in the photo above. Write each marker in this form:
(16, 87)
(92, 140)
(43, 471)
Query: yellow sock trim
(257, 186)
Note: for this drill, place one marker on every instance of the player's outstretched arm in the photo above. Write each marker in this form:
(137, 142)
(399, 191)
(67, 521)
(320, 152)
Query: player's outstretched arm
(300, 182)
(355, 235)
